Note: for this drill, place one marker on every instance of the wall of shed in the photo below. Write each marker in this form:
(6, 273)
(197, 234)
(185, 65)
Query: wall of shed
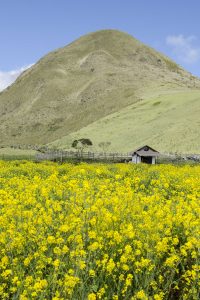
(136, 159)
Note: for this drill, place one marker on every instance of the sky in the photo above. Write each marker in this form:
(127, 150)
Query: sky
(29, 29)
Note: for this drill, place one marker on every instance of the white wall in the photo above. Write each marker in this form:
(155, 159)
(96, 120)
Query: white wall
(136, 159)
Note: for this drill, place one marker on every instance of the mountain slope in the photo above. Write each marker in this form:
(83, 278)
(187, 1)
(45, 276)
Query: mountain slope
(97, 75)
(169, 123)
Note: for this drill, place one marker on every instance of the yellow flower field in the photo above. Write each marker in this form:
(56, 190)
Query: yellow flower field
(99, 231)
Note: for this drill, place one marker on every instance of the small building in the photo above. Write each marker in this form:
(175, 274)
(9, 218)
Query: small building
(144, 154)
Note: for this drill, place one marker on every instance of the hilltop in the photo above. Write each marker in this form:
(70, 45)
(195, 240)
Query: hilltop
(105, 86)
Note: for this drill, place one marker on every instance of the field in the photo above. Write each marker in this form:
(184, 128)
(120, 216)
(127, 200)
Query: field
(99, 231)
(16, 154)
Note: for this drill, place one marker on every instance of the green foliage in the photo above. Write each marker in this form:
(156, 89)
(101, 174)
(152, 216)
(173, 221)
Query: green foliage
(156, 103)
(104, 146)
(81, 143)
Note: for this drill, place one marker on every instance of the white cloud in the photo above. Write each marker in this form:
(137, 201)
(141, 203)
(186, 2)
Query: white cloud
(7, 78)
(184, 48)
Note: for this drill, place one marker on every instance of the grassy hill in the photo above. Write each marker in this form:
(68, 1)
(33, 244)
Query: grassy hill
(169, 123)
(105, 86)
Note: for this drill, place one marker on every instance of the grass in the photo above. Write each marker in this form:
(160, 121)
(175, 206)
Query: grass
(168, 123)
(16, 154)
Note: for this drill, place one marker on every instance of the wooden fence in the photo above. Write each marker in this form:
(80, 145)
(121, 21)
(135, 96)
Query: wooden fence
(59, 155)
(45, 153)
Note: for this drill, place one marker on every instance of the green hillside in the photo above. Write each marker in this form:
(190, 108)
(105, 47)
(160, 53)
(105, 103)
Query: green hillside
(104, 85)
(169, 123)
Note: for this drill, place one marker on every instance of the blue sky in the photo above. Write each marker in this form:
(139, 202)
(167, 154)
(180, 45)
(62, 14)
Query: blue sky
(31, 28)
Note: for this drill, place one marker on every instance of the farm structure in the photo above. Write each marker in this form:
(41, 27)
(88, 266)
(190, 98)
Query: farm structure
(144, 154)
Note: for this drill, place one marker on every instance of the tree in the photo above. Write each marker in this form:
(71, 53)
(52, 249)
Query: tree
(82, 143)
(104, 146)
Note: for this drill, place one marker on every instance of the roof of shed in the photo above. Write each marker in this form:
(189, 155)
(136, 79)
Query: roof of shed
(145, 151)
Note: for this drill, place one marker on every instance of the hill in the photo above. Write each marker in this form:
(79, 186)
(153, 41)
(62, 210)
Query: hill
(169, 123)
(104, 86)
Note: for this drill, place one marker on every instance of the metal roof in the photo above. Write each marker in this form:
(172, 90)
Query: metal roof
(145, 151)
